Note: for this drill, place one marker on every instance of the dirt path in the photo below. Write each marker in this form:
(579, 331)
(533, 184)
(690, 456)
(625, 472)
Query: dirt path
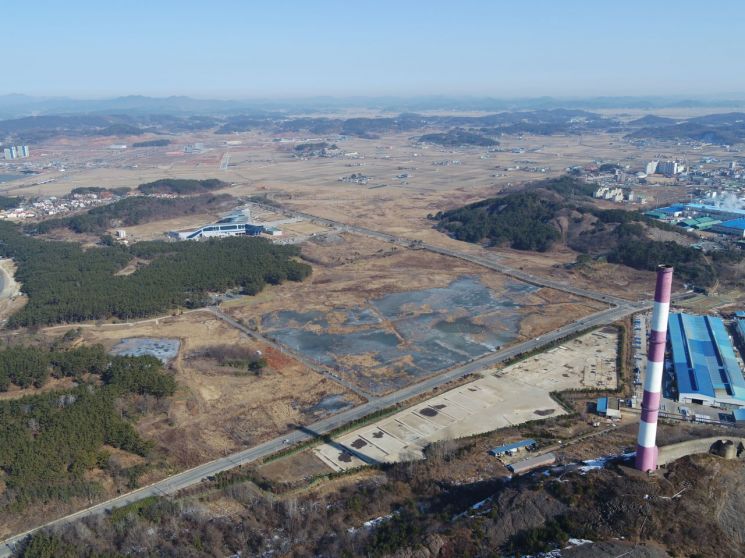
(11, 290)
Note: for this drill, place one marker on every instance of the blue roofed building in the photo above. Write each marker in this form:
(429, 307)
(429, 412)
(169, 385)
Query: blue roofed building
(513, 447)
(740, 327)
(238, 223)
(735, 227)
(721, 212)
(704, 362)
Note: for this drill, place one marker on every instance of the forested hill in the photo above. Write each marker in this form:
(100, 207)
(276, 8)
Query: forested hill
(524, 220)
(134, 211)
(49, 441)
(457, 138)
(66, 284)
(560, 210)
(181, 186)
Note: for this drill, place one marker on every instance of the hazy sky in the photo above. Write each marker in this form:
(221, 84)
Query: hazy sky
(289, 48)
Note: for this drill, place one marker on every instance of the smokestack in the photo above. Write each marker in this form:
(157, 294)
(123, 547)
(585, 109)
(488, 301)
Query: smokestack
(646, 450)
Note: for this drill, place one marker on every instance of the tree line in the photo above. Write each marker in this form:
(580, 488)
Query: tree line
(133, 211)
(181, 186)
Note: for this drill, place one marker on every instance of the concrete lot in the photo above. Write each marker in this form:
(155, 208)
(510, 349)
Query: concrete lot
(501, 398)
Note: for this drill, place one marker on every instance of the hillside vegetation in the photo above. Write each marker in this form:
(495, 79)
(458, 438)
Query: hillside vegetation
(521, 220)
(181, 186)
(48, 442)
(560, 210)
(416, 510)
(64, 283)
(458, 138)
(135, 211)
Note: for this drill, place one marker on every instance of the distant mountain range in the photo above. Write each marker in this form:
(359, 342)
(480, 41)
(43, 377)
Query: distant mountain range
(135, 116)
(15, 105)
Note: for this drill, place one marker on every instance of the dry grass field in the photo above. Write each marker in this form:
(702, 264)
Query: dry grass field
(217, 410)
(436, 179)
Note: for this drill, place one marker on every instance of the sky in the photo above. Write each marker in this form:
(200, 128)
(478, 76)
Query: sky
(291, 48)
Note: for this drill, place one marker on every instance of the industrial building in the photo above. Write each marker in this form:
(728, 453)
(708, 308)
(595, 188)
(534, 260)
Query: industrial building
(734, 227)
(699, 223)
(714, 218)
(235, 224)
(217, 230)
(608, 407)
(740, 326)
(704, 364)
(530, 463)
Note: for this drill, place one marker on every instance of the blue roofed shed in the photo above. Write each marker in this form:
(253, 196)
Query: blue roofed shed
(512, 448)
(602, 405)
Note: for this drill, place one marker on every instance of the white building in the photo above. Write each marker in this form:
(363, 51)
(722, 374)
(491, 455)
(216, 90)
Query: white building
(608, 193)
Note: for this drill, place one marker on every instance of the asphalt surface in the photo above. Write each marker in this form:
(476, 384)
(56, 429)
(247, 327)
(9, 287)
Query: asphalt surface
(171, 485)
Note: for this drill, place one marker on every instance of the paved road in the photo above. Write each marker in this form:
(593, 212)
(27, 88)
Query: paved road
(194, 476)
(619, 308)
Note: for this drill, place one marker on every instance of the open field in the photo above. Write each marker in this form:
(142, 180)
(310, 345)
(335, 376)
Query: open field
(407, 181)
(219, 409)
(382, 316)
(500, 399)
(158, 229)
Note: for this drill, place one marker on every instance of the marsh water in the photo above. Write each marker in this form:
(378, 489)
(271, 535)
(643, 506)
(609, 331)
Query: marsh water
(163, 349)
(405, 334)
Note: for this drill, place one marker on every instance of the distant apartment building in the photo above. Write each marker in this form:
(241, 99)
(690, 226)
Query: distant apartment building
(668, 168)
(13, 152)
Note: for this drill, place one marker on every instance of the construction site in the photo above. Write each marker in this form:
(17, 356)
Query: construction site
(510, 396)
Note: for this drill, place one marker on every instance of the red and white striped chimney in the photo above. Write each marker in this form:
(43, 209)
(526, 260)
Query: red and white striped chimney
(646, 450)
